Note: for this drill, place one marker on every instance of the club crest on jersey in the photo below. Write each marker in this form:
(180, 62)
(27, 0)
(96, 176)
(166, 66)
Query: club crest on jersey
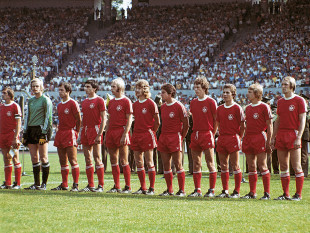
(230, 117)
(204, 109)
(256, 115)
(67, 111)
(9, 113)
(144, 110)
(171, 114)
(92, 105)
(119, 108)
(291, 108)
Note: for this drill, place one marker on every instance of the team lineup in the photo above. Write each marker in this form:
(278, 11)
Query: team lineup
(250, 131)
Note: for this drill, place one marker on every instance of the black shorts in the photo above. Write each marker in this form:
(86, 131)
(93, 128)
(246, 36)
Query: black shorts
(34, 134)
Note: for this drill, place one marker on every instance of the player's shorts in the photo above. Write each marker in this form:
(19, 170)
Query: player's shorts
(285, 139)
(66, 138)
(202, 140)
(169, 143)
(88, 135)
(227, 144)
(34, 133)
(6, 139)
(113, 137)
(143, 141)
(254, 144)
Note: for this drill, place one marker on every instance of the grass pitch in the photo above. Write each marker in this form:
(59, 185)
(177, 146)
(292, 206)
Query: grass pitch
(61, 211)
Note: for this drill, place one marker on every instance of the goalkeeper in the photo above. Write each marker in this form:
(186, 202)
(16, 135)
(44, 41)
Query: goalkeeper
(37, 133)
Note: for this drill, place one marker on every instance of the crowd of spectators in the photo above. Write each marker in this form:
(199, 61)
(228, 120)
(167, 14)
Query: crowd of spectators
(158, 44)
(48, 33)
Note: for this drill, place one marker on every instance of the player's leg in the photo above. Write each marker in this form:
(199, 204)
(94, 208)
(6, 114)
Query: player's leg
(141, 172)
(17, 170)
(263, 167)
(148, 155)
(251, 162)
(299, 174)
(114, 155)
(36, 166)
(99, 167)
(234, 157)
(166, 159)
(75, 169)
(88, 156)
(123, 155)
(283, 157)
(7, 159)
(209, 153)
(177, 160)
(64, 169)
(197, 157)
(224, 161)
(45, 165)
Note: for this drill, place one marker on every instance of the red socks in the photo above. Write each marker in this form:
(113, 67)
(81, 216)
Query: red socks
(285, 181)
(127, 173)
(75, 170)
(152, 176)
(181, 179)
(65, 174)
(197, 180)
(225, 179)
(90, 175)
(238, 179)
(212, 179)
(266, 181)
(253, 181)
(169, 177)
(116, 173)
(299, 182)
(100, 174)
(141, 175)
(17, 173)
(8, 174)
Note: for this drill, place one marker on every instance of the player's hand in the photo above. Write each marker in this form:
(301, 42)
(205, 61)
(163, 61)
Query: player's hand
(124, 139)
(272, 144)
(98, 139)
(24, 139)
(43, 139)
(297, 143)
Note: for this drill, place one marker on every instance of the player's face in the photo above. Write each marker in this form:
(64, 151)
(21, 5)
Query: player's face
(114, 89)
(5, 95)
(227, 95)
(165, 96)
(199, 91)
(36, 88)
(251, 95)
(286, 87)
(139, 91)
(89, 89)
(62, 92)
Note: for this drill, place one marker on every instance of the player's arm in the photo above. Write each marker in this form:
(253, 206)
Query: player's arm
(47, 121)
(275, 131)
(101, 128)
(242, 129)
(215, 124)
(156, 123)
(301, 128)
(185, 126)
(15, 142)
(269, 134)
(125, 138)
(78, 121)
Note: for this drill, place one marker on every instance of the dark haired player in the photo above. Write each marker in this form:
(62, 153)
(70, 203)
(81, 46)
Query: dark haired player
(66, 137)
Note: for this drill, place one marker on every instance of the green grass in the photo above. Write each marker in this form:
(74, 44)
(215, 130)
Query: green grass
(47, 211)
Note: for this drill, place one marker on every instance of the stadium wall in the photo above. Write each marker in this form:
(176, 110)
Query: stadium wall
(46, 3)
(179, 2)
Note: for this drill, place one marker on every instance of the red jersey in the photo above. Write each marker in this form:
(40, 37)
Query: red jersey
(144, 112)
(91, 109)
(171, 116)
(66, 114)
(8, 115)
(288, 110)
(118, 109)
(256, 117)
(202, 112)
(230, 118)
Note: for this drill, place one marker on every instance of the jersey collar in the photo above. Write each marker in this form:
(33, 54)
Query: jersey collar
(173, 102)
(8, 104)
(66, 101)
(120, 97)
(254, 105)
(93, 97)
(142, 101)
(289, 98)
(233, 103)
(204, 98)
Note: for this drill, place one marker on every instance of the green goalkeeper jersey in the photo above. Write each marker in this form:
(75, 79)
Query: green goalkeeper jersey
(39, 113)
